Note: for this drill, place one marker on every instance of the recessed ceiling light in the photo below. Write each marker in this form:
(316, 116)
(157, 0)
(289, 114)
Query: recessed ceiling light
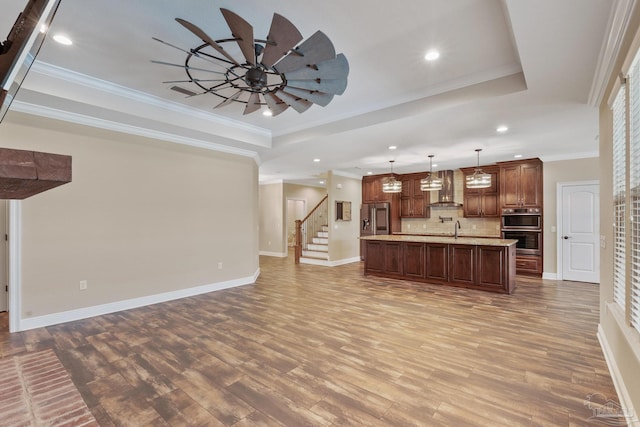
(44, 28)
(369, 173)
(517, 156)
(62, 39)
(392, 147)
(502, 128)
(316, 160)
(321, 182)
(432, 55)
(267, 113)
(435, 165)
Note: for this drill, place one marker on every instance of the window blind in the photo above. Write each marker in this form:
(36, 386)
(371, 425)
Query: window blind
(634, 191)
(619, 195)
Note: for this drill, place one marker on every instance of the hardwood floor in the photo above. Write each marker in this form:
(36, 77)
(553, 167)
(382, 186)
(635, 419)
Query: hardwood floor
(318, 346)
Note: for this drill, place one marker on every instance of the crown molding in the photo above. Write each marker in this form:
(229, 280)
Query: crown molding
(70, 117)
(616, 28)
(84, 80)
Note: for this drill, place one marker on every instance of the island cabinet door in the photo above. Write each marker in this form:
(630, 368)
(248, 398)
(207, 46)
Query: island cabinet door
(492, 266)
(463, 262)
(374, 261)
(437, 262)
(393, 258)
(414, 259)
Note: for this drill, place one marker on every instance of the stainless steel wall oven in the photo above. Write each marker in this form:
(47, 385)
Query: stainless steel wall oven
(525, 226)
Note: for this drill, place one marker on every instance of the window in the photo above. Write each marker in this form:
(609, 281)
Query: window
(633, 106)
(619, 190)
(626, 196)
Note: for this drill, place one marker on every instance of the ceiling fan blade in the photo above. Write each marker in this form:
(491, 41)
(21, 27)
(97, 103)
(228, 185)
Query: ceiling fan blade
(336, 68)
(298, 104)
(186, 67)
(253, 104)
(284, 36)
(183, 90)
(229, 100)
(193, 81)
(335, 87)
(243, 32)
(276, 105)
(315, 49)
(205, 38)
(320, 98)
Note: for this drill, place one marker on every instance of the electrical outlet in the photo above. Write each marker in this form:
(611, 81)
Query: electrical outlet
(473, 226)
(424, 226)
(219, 266)
(83, 285)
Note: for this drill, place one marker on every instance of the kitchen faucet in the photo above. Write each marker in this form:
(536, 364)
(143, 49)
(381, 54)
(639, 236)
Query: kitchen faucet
(456, 227)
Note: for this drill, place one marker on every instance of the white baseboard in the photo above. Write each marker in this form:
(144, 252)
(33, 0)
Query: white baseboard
(327, 263)
(550, 276)
(274, 254)
(98, 310)
(344, 261)
(618, 380)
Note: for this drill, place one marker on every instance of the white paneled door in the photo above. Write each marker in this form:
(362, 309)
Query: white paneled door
(580, 232)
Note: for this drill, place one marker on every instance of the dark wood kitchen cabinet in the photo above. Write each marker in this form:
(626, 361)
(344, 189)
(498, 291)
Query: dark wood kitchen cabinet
(476, 266)
(384, 257)
(483, 202)
(414, 261)
(414, 203)
(372, 189)
(463, 264)
(521, 183)
(437, 255)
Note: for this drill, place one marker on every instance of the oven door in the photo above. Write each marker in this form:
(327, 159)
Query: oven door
(531, 221)
(528, 240)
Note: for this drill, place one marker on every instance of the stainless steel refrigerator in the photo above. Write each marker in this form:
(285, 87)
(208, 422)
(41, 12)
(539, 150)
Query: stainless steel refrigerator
(375, 218)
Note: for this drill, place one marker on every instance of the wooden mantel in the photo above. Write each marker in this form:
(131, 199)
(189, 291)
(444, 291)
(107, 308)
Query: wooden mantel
(26, 173)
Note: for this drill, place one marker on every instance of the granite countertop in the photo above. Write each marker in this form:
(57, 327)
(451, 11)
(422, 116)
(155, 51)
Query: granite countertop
(485, 241)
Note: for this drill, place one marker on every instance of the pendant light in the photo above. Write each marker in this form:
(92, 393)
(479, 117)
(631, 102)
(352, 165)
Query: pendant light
(390, 184)
(478, 179)
(430, 183)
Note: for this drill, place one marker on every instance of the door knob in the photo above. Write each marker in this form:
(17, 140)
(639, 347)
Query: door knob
(565, 237)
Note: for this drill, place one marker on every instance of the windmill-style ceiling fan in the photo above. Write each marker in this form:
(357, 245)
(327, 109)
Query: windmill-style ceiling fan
(276, 72)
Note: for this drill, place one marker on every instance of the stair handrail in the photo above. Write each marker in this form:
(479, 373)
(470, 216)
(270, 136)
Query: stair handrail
(300, 223)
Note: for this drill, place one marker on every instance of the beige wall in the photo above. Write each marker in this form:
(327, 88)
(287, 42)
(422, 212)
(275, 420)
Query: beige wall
(554, 173)
(620, 342)
(271, 220)
(140, 218)
(344, 243)
(273, 213)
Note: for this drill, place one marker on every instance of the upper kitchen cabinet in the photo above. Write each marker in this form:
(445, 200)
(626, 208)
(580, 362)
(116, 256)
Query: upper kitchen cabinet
(483, 202)
(414, 203)
(372, 189)
(521, 183)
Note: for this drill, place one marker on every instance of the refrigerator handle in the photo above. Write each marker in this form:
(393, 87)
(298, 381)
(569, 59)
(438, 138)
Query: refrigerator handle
(365, 224)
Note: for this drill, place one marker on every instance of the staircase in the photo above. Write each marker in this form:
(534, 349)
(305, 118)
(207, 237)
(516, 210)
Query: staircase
(317, 252)
(312, 236)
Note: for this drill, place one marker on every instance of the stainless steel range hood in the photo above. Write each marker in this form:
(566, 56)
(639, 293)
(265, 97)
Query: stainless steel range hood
(446, 195)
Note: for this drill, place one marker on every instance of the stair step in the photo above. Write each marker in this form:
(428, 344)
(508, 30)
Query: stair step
(318, 248)
(320, 241)
(324, 234)
(315, 254)
(325, 228)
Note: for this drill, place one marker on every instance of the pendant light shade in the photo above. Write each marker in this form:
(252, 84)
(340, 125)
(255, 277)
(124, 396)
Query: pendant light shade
(390, 184)
(431, 182)
(478, 179)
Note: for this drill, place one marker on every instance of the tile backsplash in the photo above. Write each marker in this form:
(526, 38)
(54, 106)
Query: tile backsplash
(469, 226)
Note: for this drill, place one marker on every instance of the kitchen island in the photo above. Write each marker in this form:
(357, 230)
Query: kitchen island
(487, 264)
